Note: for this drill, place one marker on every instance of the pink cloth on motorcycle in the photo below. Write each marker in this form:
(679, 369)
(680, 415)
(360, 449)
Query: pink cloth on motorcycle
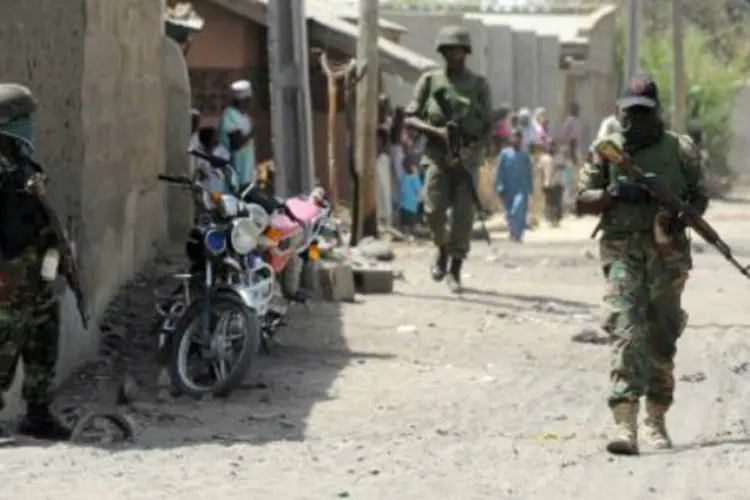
(302, 208)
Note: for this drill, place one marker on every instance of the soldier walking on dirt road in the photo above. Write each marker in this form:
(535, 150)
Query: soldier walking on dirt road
(645, 280)
(445, 186)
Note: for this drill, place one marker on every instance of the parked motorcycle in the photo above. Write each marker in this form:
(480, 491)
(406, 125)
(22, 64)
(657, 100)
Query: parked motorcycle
(290, 244)
(291, 240)
(212, 321)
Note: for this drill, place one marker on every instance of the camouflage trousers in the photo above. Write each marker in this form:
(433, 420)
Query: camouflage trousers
(445, 188)
(29, 328)
(644, 317)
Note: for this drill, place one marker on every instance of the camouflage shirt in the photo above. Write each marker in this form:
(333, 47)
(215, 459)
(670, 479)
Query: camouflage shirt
(676, 161)
(468, 95)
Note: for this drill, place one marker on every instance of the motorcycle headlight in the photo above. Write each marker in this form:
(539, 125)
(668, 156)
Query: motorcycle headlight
(215, 241)
(228, 205)
(244, 235)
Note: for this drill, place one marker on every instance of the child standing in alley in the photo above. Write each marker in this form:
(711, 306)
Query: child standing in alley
(410, 186)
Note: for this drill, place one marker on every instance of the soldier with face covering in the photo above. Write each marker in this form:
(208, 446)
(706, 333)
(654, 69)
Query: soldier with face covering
(645, 279)
(29, 317)
(445, 187)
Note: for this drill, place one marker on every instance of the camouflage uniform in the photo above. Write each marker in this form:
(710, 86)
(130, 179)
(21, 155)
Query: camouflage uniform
(29, 325)
(444, 188)
(29, 329)
(643, 301)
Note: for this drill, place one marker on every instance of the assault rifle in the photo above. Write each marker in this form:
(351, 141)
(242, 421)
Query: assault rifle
(455, 147)
(611, 152)
(36, 185)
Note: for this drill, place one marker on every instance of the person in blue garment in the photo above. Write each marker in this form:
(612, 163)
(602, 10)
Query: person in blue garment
(410, 187)
(514, 184)
(526, 123)
(237, 133)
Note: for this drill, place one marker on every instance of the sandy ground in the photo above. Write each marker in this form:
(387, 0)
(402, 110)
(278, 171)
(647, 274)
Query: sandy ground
(421, 395)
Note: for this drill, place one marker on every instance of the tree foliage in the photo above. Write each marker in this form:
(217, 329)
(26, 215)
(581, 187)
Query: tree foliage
(713, 71)
(711, 85)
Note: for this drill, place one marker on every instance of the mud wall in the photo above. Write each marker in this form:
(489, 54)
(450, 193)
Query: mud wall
(95, 67)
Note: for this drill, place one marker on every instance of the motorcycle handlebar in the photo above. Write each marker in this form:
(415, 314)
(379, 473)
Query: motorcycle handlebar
(214, 160)
(175, 179)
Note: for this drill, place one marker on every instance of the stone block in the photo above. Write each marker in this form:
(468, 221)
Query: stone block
(373, 280)
(336, 281)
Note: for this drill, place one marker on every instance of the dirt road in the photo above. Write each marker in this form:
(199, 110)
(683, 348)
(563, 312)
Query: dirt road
(420, 395)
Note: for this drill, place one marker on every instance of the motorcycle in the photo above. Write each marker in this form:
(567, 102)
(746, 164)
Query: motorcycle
(290, 244)
(213, 320)
(289, 241)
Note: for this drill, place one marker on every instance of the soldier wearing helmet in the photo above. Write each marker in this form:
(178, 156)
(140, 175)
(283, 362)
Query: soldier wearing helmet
(645, 257)
(29, 324)
(444, 187)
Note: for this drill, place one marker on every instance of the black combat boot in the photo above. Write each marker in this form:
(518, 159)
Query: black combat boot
(6, 438)
(454, 275)
(40, 423)
(439, 265)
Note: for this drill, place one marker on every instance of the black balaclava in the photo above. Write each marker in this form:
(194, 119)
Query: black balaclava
(642, 127)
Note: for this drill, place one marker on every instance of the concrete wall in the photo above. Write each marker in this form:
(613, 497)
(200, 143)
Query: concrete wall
(548, 70)
(478, 60)
(500, 64)
(525, 69)
(423, 28)
(95, 67)
(739, 149)
(177, 104)
(594, 83)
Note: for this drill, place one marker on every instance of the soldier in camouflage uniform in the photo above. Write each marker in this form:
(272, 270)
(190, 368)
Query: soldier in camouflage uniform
(645, 280)
(445, 187)
(29, 325)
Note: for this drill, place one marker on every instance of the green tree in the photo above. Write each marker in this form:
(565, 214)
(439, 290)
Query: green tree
(711, 84)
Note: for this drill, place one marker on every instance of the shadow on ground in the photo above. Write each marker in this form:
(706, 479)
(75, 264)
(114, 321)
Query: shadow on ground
(274, 404)
(495, 299)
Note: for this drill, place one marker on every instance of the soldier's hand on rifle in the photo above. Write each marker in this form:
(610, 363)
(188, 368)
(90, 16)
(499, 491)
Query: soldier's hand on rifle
(626, 191)
(678, 223)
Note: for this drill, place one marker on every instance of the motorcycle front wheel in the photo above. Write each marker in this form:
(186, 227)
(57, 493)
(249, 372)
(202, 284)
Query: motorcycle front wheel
(218, 368)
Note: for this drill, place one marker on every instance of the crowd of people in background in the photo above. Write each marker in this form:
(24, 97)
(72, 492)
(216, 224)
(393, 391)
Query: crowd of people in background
(527, 148)
(530, 150)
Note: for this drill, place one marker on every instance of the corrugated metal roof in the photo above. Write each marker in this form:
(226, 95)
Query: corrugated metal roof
(330, 29)
(394, 58)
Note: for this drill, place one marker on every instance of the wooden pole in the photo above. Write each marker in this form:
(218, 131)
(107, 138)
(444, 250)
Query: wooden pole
(678, 69)
(367, 116)
(333, 77)
(632, 52)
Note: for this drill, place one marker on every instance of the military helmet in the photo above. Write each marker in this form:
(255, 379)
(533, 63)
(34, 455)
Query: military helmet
(16, 101)
(453, 36)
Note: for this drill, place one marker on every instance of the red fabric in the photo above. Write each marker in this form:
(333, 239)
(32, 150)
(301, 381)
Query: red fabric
(502, 128)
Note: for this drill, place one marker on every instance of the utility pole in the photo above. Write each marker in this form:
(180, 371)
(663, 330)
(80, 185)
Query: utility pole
(633, 35)
(367, 116)
(291, 115)
(678, 68)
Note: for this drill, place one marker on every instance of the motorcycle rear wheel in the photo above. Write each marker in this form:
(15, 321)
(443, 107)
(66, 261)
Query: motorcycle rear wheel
(185, 331)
